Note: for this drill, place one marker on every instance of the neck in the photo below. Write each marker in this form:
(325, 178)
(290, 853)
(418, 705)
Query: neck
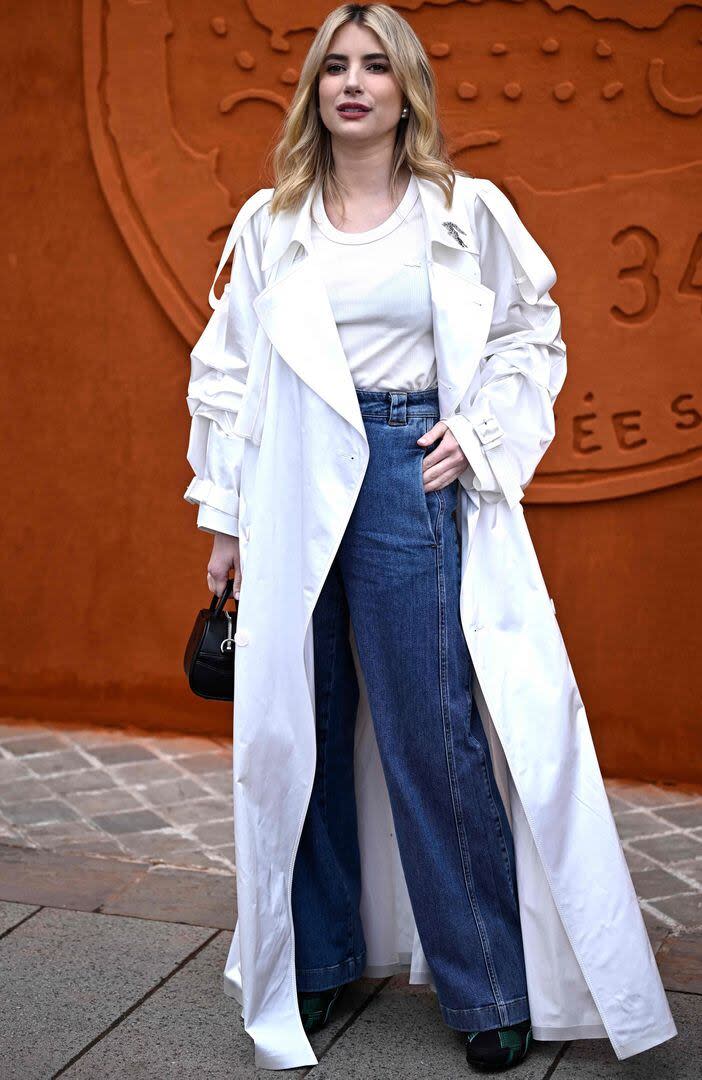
(365, 176)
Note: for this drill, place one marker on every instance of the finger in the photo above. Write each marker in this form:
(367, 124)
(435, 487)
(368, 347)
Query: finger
(216, 583)
(237, 583)
(438, 484)
(439, 476)
(441, 455)
(433, 433)
(445, 455)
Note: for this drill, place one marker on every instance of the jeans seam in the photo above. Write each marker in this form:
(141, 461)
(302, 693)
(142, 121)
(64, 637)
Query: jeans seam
(491, 794)
(453, 784)
(470, 1018)
(323, 757)
(484, 1008)
(432, 521)
(332, 668)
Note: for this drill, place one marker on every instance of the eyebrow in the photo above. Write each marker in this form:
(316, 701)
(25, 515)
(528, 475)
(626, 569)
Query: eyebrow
(366, 56)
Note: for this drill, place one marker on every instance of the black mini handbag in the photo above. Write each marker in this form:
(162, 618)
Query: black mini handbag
(209, 654)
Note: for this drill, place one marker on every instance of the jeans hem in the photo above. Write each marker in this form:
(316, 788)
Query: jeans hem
(325, 978)
(488, 1016)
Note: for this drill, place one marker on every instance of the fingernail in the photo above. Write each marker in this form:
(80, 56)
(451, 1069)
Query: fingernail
(236, 595)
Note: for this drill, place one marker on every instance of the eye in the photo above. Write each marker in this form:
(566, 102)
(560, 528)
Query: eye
(377, 64)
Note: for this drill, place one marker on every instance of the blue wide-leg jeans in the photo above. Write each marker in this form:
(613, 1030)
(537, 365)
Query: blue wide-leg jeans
(396, 577)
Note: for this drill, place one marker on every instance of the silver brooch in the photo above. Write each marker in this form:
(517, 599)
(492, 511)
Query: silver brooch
(454, 230)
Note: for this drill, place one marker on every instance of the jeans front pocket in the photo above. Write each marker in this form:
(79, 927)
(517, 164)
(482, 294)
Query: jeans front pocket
(432, 502)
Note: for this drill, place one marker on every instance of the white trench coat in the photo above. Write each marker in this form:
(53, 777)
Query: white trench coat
(279, 451)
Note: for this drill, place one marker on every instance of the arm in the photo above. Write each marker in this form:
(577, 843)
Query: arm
(219, 368)
(507, 426)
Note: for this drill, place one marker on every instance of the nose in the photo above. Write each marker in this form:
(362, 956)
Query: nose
(353, 79)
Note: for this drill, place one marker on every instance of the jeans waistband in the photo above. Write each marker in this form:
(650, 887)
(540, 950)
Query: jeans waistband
(396, 406)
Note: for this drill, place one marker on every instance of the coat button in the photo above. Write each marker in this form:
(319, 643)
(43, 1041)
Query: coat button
(241, 636)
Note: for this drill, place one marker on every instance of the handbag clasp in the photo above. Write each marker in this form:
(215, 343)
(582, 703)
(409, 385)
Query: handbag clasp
(228, 643)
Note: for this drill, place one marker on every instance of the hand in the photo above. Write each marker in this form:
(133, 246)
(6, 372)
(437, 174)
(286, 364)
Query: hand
(225, 557)
(446, 462)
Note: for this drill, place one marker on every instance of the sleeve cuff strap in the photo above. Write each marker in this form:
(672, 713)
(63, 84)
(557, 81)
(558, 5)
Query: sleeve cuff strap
(504, 474)
(212, 521)
(482, 443)
(204, 491)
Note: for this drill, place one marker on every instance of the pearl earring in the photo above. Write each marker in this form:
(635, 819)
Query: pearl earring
(405, 111)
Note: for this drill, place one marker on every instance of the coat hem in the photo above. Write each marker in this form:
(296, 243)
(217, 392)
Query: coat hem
(567, 1034)
(645, 1042)
(268, 1059)
(598, 1031)
(231, 990)
(265, 1060)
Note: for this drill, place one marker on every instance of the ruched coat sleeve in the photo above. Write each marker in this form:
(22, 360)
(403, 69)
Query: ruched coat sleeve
(506, 425)
(219, 368)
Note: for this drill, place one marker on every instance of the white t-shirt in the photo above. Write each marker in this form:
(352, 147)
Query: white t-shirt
(378, 287)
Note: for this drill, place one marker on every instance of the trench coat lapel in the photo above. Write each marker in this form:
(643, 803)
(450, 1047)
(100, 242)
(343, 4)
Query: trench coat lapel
(296, 314)
(462, 305)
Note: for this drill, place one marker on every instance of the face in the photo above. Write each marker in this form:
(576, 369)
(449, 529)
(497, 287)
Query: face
(356, 71)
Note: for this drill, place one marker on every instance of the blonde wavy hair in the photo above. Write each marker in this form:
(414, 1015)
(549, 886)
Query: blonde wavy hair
(303, 157)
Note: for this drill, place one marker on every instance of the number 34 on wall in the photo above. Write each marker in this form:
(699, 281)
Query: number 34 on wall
(645, 273)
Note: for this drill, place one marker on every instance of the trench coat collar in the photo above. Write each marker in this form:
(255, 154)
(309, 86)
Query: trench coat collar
(296, 225)
(296, 314)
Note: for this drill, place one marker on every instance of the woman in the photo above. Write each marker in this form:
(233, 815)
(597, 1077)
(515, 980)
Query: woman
(363, 428)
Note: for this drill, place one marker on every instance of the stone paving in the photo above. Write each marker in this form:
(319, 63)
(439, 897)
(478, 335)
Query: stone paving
(162, 799)
(117, 899)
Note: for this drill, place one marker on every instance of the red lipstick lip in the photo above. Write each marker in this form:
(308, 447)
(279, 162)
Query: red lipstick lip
(352, 107)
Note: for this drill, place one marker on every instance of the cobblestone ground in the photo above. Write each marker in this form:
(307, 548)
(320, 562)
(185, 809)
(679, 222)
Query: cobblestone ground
(156, 798)
(166, 799)
(135, 830)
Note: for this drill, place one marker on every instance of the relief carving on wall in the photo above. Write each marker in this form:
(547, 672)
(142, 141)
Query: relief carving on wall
(588, 114)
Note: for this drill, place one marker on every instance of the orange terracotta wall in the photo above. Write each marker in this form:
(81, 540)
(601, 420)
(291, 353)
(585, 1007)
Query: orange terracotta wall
(133, 134)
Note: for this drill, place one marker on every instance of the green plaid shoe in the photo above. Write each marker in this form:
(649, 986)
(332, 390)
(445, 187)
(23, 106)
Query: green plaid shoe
(316, 1006)
(499, 1048)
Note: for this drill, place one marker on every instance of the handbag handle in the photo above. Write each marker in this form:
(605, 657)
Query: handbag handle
(217, 603)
